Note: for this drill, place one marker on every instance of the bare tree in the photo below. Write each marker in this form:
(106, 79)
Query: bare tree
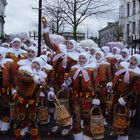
(54, 11)
(74, 12)
(78, 10)
(119, 33)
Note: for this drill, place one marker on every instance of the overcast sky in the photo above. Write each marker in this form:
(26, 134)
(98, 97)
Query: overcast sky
(20, 17)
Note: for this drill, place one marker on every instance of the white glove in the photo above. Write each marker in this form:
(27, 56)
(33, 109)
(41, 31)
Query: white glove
(37, 79)
(64, 86)
(51, 89)
(109, 84)
(51, 95)
(14, 91)
(42, 94)
(68, 81)
(96, 102)
(109, 87)
(122, 101)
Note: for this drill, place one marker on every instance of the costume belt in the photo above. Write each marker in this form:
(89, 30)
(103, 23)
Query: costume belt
(84, 94)
(24, 101)
(5, 89)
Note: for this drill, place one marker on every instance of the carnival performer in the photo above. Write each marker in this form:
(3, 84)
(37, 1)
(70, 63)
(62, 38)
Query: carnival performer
(31, 54)
(125, 56)
(29, 82)
(6, 45)
(123, 85)
(104, 74)
(34, 43)
(113, 57)
(62, 60)
(16, 50)
(47, 68)
(37, 65)
(116, 52)
(105, 49)
(83, 76)
(5, 91)
(45, 96)
(16, 54)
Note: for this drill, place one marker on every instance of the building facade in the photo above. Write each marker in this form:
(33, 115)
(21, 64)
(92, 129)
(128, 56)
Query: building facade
(69, 35)
(129, 19)
(109, 33)
(3, 3)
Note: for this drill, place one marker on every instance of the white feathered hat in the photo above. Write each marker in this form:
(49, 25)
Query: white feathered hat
(88, 43)
(16, 39)
(26, 68)
(39, 60)
(34, 49)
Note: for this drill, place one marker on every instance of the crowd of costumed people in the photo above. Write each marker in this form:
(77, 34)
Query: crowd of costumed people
(79, 88)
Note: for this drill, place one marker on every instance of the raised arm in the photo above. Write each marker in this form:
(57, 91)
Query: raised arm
(45, 31)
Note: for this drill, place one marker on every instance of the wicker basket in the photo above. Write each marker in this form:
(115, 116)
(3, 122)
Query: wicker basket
(43, 114)
(121, 120)
(62, 115)
(63, 100)
(97, 124)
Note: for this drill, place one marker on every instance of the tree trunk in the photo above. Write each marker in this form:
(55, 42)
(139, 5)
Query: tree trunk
(57, 28)
(75, 33)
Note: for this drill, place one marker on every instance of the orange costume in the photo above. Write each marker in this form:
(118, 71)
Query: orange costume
(15, 59)
(84, 87)
(104, 75)
(5, 92)
(26, 98)
(112, 60)
(124, 85)
(62, 62)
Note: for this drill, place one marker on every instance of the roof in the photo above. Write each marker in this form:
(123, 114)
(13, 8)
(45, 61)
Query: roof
(110, 24)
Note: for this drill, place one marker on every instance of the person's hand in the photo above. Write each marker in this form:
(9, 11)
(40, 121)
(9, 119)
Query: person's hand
(37, 79)
(51, 96)
(14, 91)
(109, 87)
(109, 84)
(96, 102)
(43, 83)
(64, 86)
(44, 22)
(122, 101)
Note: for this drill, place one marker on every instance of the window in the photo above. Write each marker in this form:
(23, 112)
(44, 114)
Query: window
(128, 9)
(127, 30)
(110, 33)
(107, 34)
(121, 11)
(133, 27)
(134, 6)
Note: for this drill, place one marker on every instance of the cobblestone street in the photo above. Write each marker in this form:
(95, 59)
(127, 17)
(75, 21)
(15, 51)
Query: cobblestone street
(134, 135)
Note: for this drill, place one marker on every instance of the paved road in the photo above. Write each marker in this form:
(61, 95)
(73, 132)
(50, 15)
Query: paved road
(134, 135)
